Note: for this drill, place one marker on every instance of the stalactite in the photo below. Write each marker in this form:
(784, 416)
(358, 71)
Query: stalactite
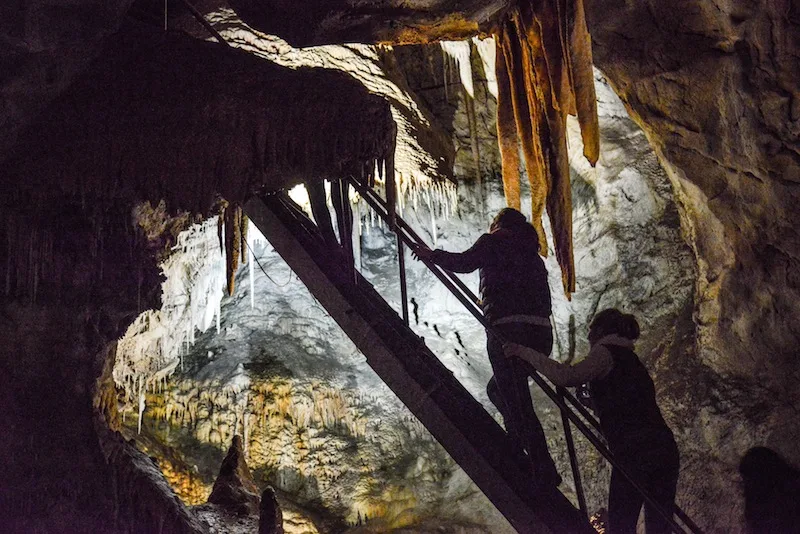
(221, 230)
(507, 135)
(233, 243)
(547, 73)
(472, 122)
(581, 74)
(445, 77)
(487, 51)
(460, 52)
(528, 120)
(251, 275)
(390, 180)
(141, 406)
(243, 224)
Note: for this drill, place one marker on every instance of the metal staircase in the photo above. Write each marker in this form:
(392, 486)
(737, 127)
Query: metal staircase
(429, 390)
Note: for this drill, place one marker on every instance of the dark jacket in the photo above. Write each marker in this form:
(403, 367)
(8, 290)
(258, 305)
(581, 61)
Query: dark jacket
(513, 276)
(625, 401)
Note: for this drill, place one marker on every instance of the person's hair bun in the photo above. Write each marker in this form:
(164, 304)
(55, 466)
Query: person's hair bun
(629, 326)
(612, 321)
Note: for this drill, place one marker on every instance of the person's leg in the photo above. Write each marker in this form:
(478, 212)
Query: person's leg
(503, 389)
(540, 339)
(662, 485)
(493, 391)
(509, 391)
(505, 392)
(624, 505)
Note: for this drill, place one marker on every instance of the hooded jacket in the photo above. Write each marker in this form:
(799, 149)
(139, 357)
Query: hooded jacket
(513, 276)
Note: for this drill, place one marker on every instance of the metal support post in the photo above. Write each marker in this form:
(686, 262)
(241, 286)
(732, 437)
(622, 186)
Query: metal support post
(401, 257)
(573, 458)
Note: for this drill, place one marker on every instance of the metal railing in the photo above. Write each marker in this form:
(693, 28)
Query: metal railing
(568, 405)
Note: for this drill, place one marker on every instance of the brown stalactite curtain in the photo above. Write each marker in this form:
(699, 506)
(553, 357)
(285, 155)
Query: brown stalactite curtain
(544, 73)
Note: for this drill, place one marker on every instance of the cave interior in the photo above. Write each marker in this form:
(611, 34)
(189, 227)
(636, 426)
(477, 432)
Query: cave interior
(207, 207)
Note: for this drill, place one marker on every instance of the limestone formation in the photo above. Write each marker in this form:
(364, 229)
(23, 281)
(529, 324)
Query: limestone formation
(245, 124)
(372, 21)
(270, 517)
(545, 74)
(716, 90)
(235, 490)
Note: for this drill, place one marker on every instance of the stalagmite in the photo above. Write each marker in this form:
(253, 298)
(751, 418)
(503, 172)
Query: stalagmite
(234, 487)
(270, 518)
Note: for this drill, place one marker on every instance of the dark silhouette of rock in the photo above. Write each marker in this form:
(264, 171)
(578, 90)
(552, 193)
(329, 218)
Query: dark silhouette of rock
(270, 519)
(771, 492)
(234, 488)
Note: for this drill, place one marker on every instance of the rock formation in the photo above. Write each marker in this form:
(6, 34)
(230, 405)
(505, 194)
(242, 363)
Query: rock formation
(270, 518)
(375, 21)
(235, 488)
(87, 269)
(716, 91)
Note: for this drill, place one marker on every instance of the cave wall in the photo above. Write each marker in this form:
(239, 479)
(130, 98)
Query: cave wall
(313, 409)
(716, 88)
(64, 468)
(630, 253)
(45, 45)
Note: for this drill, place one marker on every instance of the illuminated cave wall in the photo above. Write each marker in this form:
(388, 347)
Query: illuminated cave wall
(319, 425)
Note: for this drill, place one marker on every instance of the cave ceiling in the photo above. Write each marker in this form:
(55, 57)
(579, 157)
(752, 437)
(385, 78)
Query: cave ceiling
(318, 22)
(230, 123)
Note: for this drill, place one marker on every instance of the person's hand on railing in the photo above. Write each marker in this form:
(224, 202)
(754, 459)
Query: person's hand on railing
(421, 252)
(515, 350)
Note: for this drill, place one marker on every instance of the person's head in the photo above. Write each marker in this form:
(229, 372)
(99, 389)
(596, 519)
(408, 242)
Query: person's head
(511, 219)
(612, 321)
(762, 466)
(507, 218)
(770, 486)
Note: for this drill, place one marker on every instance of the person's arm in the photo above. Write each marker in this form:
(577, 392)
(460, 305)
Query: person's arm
(597, 364)
(464, 262)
